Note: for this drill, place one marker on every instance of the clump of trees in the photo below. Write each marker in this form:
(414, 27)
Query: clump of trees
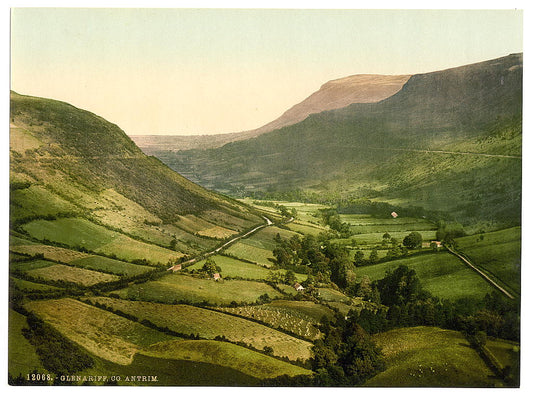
(346, 355)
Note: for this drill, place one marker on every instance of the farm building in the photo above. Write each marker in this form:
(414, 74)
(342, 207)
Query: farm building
(216, 276)
(298, 287)
(437, 244)
(394, 214)
(176, 267)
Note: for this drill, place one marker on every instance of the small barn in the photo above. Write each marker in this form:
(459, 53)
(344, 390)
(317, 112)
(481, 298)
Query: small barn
(176, 267)
(216, 276)
(298, 287)
(394, 214)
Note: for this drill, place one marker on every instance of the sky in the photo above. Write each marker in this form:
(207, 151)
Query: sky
(206, 71)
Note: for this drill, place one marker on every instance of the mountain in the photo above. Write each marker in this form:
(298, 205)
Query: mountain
(335, 94)
(448, 140)
(68, 163)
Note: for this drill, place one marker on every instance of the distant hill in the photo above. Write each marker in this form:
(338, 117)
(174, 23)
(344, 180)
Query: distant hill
(70, 163)
(335, 94)
(448, 140)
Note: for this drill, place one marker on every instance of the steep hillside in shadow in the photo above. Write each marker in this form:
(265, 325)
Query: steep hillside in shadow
(456, 116)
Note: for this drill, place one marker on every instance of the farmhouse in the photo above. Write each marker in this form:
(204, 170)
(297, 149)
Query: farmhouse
(394, 214)
(437, 244)
(176, 267)
(216, 276)
(298, 287)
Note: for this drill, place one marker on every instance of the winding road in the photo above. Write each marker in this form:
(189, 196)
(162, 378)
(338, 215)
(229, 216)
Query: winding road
(227, 243)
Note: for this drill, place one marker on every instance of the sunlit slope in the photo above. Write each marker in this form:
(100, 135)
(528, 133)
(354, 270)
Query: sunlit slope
(70, 164)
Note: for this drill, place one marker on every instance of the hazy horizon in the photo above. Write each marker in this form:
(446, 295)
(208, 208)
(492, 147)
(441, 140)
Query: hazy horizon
(211, 71)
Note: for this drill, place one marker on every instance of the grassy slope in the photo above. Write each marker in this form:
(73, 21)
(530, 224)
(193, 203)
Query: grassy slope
(235, 268)
(441, 274)
(176, 287)
(22, 357)
(429, 357)
(497, 252)
(209, 324)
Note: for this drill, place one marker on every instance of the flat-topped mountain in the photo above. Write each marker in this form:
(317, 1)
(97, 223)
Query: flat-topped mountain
(335, 94)
(444, 140)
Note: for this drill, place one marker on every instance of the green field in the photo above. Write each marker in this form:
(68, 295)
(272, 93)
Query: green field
(365, 224)
(28, 286)
(442, 274)
(100, 332)
(430, 357)
(506, 352)
(225, 354)
(209, 324)
(30, 265)
(373, 239)
(71, 274)
(176, 287)
(37, 201)
(279, 317)
(22, 358)
(235, 268)
(498, 253)
(260, 256)
(76, 232)
(331, 295)
(108, 265)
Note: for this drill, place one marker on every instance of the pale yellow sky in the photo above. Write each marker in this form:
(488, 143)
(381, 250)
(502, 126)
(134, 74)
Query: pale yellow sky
(191, 71)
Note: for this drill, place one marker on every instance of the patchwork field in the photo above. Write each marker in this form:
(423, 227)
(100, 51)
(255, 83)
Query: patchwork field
(76, 232)
(176, 287)
(28, 286)
(429, 357)
(71, 274)
(278, 317)
(364, 224)
(260, 256)
(442, 274)
(209, 324)
(372, 239)
(498, 252)
(225, 354)
(102, 333)
(235, 268)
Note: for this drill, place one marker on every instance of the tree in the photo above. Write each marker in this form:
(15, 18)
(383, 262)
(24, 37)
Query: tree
(373, 258)
(290, 277)
(210, 267)
(359, 258)
(413, 240)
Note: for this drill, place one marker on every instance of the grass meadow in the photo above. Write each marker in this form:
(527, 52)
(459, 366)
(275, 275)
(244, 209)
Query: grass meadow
(76, 232)
(176, 287)
(442, 274)
(210, 324)
(429, 357)
(497, 252)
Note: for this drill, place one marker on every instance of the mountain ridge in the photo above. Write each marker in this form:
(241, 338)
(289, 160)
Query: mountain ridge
(334, 94)
(346, 152)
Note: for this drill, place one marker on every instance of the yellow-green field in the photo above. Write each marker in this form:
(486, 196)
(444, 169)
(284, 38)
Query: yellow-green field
(100, 332)
(176, 287)
(225, 354)
(235, 268)
(75, 232)
(430, 357)
(71, 274)
(209, 324)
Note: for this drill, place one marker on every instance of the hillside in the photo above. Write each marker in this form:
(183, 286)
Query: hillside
(335, 94)
(71, 166)
(447, 141)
